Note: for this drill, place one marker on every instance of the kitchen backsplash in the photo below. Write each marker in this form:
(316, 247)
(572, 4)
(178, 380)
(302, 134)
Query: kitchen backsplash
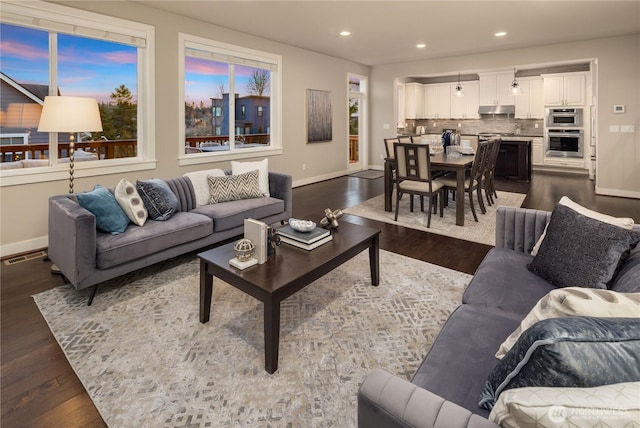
(498, 124)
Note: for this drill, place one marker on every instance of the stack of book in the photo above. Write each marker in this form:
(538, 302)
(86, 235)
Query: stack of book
(305, 240)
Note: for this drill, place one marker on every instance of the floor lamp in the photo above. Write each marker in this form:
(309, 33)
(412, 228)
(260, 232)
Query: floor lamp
(72, 115)
(69, 114)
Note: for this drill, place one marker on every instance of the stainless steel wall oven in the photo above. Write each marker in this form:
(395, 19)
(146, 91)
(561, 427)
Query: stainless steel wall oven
(568, 143)
(564, 118)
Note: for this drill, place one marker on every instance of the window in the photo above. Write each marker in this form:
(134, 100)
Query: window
(219, 124)
(51, 50)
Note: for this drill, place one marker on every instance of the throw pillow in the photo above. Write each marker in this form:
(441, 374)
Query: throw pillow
(201, 184)
(579, 251)
(234, 187)
(160, 201)
(614, 405)
(576, 301)
(131, 202)
(568, 352)
(624, 222)
(103, 205)
(262, 166)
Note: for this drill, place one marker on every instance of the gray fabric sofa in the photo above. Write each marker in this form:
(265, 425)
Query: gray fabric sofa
(445, 390)
(87, 257)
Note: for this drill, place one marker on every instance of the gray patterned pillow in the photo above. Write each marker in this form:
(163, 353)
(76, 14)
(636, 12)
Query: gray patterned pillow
(568, 352)
(160, 201)
(234, 187)
(579, 251)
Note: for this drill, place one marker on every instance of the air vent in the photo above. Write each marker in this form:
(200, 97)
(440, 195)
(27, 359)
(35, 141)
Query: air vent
(25, 258)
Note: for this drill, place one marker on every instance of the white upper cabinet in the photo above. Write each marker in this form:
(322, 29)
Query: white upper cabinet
(414, 101)
(438, 101)
(494, 89)
(530, 102)
(465, 107)
(564, 89)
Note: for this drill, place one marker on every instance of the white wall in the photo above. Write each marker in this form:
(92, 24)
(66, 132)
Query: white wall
(24, 208)
(618, 82)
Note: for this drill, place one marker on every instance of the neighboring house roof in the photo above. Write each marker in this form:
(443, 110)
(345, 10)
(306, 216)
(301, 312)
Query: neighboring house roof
(32, 91)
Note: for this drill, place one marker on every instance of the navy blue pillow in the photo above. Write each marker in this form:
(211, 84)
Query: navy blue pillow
(103, 205)
(160, 201)
(568, 352)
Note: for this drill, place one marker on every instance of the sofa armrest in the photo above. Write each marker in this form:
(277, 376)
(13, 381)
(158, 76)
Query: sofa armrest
(72, 238)
(386, 401)
(281, 187)
(518, 229)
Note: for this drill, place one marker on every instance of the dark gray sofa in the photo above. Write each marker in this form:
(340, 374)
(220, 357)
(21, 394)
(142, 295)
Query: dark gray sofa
(87, 257)
(445, 390)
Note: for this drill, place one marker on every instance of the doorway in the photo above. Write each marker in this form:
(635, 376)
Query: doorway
(357, 122)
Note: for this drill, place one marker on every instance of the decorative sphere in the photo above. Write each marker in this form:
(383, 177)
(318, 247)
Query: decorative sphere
(244, 249)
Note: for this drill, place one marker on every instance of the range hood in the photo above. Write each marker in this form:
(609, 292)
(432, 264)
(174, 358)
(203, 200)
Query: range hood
(500, 109)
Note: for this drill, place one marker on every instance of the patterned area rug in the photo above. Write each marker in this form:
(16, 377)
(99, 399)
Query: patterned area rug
(482, 231)
(146, 360)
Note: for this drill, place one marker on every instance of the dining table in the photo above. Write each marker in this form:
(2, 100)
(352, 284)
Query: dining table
(441, 162)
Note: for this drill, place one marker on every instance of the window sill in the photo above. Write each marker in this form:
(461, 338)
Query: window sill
(14, 177)
(200, 158)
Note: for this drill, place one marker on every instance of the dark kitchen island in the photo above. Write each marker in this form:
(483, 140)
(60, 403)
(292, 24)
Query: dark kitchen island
(514, 158)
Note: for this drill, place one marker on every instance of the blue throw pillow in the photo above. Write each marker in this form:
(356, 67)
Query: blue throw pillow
(103, 205)
(160, 201)
(568, 352)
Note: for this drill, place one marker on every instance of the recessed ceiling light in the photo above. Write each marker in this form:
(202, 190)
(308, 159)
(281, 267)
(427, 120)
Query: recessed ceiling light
(345, 33)
(421, 45)
(500, 34)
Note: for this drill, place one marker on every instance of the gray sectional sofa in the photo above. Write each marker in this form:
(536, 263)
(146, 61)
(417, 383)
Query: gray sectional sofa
(87, 257)
(446, 389)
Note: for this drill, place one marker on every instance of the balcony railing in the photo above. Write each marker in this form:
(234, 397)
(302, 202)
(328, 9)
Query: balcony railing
(354, 156)
(113, 149)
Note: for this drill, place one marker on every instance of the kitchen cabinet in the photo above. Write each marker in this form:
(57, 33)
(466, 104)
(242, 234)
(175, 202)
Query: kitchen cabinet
(401, 105)
(437, 101)
(514, 158)
(567, 89)
(537, 151)
(530, 102)
(413, 101)
(564, 162)
(465, 107)
(494, 89)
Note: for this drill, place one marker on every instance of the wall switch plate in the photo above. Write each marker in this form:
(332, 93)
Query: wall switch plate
(434, 124)
(535, 125)
(627, 128)
(614, 128)
(386, 126)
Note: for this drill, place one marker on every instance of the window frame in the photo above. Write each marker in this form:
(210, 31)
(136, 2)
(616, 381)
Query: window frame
(53, 15)
(186, 41)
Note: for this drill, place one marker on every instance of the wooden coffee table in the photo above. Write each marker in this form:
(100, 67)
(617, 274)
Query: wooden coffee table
(290, 270)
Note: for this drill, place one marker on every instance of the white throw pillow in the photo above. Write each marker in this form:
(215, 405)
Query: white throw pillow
(262, 166)
(574, 302)
(624, 222)
(615, 405)
(131, 203)
(201, 184)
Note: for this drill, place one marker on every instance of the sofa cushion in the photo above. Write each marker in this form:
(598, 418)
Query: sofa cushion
(160, 201)
(576, 301)
(579, 251)
(234, 187)
(502, 281)
(131, 202)
(155, 236)
(262, 167)
(570, 351)
(461, 356)
(227, 215)
(627, 280)
(615, 405)
(103, 205)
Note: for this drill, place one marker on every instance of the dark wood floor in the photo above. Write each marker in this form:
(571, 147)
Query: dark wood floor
(39, 388)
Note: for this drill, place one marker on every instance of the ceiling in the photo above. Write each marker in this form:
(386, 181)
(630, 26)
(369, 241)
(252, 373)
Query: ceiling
(384, 32)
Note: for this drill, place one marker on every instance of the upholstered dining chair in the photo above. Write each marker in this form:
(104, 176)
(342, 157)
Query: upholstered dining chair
(490, 169)
(413, 177)
(473, 181)
(388, 146)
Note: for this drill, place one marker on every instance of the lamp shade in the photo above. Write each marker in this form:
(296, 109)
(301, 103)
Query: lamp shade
(70, 114)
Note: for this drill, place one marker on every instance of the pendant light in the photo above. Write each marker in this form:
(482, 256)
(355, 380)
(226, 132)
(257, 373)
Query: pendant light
(459, 92)
(515, 86)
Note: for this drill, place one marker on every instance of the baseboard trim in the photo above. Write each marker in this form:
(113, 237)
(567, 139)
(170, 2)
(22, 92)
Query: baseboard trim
(616, 192)
(316, 179)
(24, 246)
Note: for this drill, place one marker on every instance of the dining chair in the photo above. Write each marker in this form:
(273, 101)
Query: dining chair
(388, 146)
(413, 177)
(474, 180)
(490, 169)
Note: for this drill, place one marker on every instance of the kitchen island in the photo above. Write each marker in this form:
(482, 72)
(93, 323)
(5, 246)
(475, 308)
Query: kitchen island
(514, 158)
